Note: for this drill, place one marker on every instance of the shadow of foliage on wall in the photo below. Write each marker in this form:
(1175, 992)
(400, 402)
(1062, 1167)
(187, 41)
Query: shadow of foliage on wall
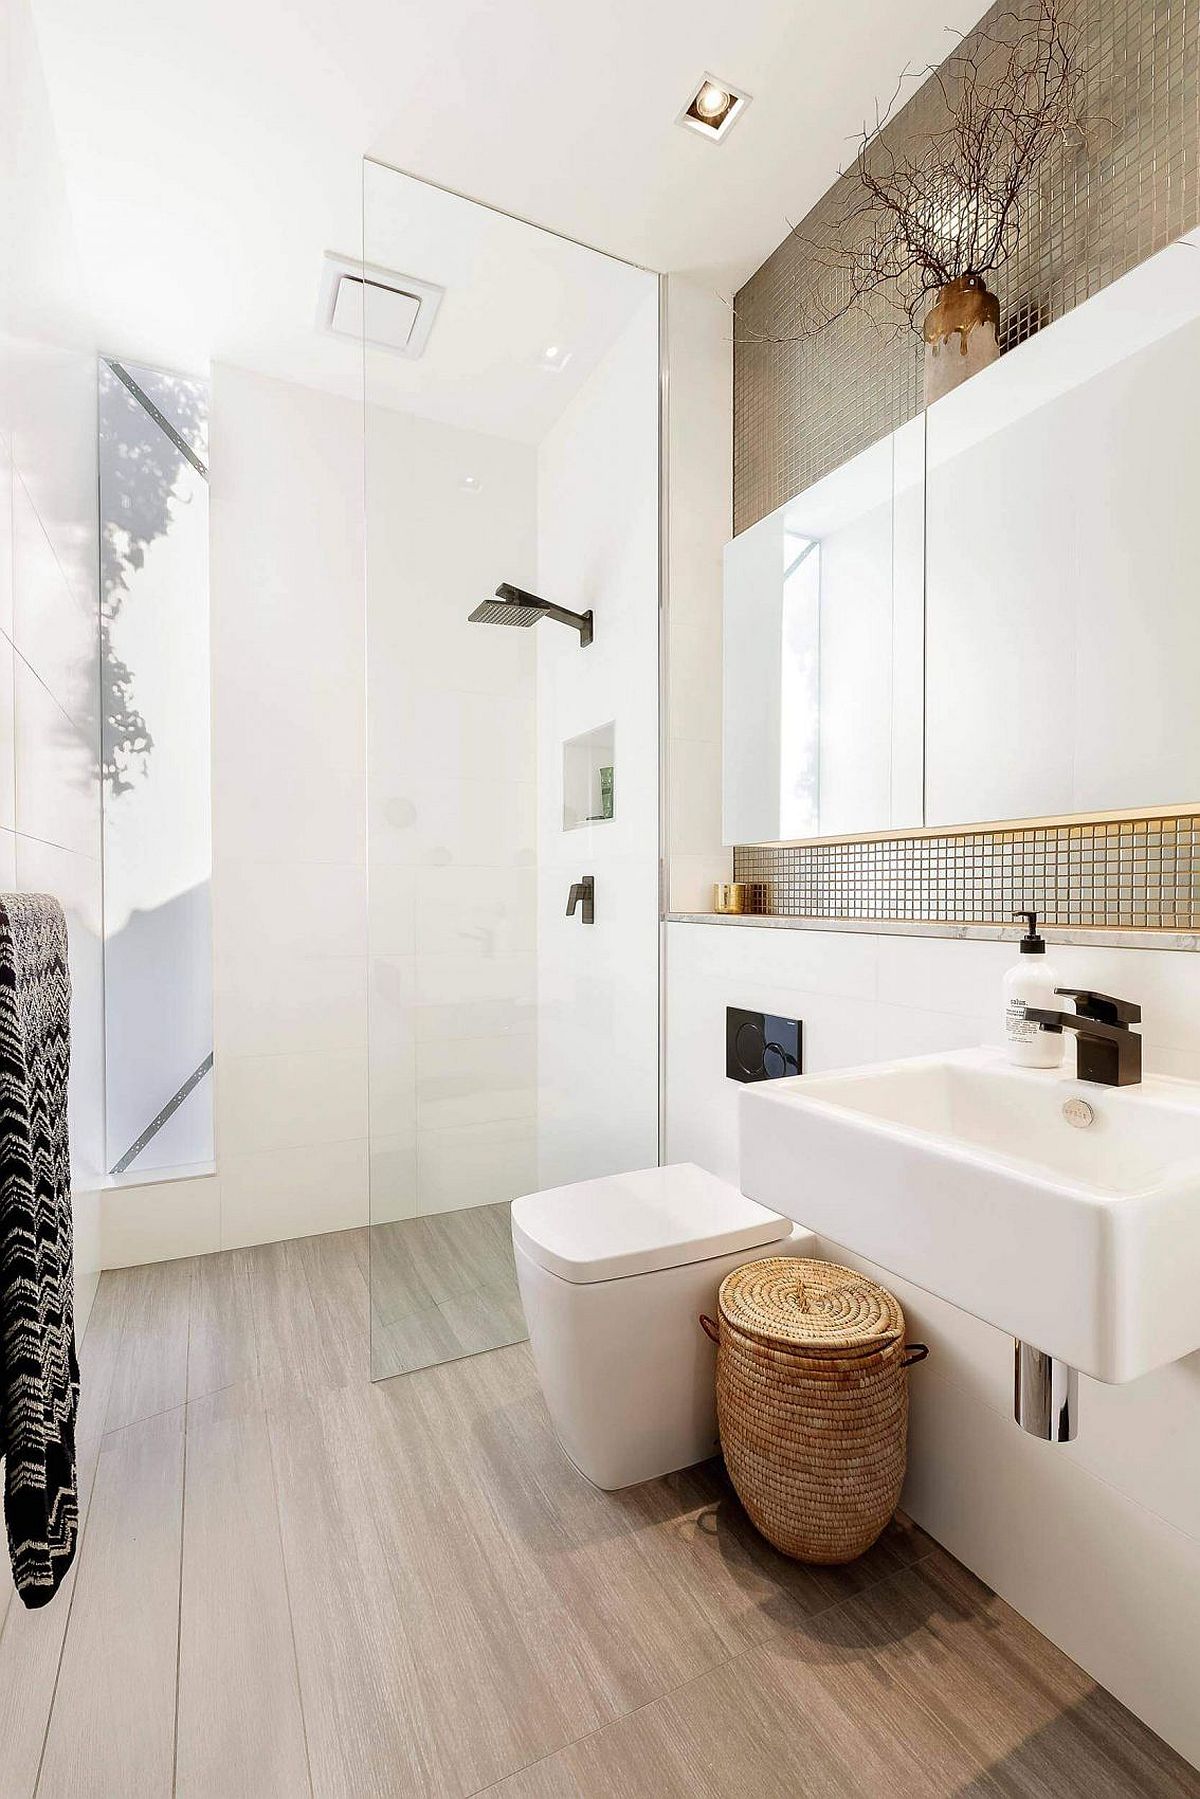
(140, 466)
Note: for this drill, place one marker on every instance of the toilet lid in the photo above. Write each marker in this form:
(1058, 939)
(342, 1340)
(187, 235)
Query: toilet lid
(634, 1223)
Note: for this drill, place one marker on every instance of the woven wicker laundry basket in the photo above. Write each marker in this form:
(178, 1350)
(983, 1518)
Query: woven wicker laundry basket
(812, 1403)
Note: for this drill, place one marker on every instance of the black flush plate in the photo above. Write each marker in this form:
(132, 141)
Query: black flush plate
(761, 1047)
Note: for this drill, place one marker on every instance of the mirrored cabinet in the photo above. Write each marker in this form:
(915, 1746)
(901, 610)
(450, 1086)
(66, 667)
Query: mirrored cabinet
(993, 613)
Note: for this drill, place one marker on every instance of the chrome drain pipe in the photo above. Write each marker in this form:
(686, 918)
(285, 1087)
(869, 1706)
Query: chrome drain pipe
(1045, 1394)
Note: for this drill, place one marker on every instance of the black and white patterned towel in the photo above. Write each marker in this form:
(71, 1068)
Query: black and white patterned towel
(39, 1375)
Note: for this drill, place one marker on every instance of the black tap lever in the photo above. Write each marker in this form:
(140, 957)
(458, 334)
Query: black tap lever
(583, 895)
(1102, 1006)
(1107, 1051)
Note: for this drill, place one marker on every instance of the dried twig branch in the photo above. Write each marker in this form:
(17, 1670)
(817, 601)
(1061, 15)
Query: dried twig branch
(954, 203)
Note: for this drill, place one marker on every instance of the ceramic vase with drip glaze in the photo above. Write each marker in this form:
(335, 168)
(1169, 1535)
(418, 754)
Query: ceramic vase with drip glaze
(961, 334)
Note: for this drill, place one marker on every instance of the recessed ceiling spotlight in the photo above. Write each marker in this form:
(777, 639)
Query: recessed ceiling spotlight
(554, 357)
(713, 108)
(471, 484)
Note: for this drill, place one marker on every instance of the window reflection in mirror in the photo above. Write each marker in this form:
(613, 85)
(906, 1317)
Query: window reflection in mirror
(822, 656)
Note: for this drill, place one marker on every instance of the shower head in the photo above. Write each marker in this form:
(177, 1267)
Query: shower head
(513, 606)
(525, 610)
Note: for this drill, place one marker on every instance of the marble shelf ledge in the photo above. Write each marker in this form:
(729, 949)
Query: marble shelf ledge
(1100, 936)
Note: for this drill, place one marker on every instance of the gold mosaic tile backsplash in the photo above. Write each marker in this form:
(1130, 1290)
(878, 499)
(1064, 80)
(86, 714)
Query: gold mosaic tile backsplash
(802, 408)
(1136, 874)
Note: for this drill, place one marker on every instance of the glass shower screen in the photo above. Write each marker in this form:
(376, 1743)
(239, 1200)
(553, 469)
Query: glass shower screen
(512, 465)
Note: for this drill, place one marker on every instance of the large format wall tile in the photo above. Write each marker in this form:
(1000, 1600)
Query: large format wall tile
(57, 774)
(598, 984)
(8, 752)
(54, 628)
(476, 1080)
(476, 1164)
(273, 1004)
(281, 1193)
(325, 913)
(288, 1101)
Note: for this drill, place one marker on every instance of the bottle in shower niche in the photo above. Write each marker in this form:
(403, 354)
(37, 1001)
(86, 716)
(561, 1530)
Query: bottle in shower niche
(1031, 982)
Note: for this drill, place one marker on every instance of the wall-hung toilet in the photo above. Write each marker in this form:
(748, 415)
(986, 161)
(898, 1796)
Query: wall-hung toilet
(613, 1275)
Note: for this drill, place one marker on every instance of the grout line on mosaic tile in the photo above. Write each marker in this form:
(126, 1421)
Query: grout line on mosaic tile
(1138, 874)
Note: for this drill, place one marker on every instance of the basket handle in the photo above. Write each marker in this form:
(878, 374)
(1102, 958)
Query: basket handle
(916, 1353)
(710, 1327)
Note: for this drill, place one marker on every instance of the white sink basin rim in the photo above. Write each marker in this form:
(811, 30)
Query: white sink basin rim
(966, 1176)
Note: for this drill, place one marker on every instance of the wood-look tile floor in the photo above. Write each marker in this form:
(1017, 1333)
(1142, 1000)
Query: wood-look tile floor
(442, 1286)
(292, 1581)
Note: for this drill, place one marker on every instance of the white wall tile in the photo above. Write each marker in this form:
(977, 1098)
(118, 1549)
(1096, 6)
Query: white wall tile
(282, 1102)
(392, 909)
(290, 908)
(270, 1005)
(451, 768)
(52, 395)
(160, 1221)
(943, 974)
(475, 1164)
(8, 757)
(912, 1031)
(54, 629)
(695, 796)
(478, 736)
(456, 980)
(288, 643)
(451, 755)
(475, 911)
(393, 1057)
(282, 799)
(598, 984)
(475, 1080)
(57, 772)
(433, 821)
(8, 858)
(6, 529)
(289, 805)
(479, 1018)
(700, 451)
(293, 1192)
(393, 1173)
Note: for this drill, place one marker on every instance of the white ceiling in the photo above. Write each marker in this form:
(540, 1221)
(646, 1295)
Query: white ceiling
(213, 149)
(512, 292)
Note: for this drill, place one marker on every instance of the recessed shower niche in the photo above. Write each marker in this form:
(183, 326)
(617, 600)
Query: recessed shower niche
(588, 771)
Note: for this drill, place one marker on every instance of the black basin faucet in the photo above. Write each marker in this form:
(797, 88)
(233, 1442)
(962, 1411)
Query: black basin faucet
(1109, 1053)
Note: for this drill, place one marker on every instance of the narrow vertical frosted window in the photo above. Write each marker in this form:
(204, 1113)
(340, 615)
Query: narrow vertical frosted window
(154, 647)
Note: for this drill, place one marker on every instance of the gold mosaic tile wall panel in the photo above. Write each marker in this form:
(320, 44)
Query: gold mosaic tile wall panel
(1136, 874)
(803, 408)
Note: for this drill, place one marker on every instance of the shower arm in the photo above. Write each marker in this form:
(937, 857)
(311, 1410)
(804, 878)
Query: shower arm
(582, 621)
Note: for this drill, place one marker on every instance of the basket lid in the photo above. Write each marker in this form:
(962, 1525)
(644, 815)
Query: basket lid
(815, 1306)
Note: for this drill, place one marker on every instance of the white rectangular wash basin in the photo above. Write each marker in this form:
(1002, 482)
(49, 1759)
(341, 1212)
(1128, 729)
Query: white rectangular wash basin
(992, 1187)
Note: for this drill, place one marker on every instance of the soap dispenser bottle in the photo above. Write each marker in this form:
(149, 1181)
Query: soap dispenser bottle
(1031, 982)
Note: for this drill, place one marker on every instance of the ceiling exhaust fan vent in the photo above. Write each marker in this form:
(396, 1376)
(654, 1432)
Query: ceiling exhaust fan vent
(392, 311)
